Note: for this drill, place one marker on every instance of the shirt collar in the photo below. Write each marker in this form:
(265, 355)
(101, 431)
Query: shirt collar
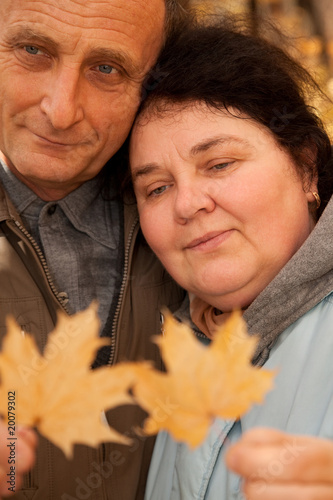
(90, 213)
(85, 207)
(20, 195)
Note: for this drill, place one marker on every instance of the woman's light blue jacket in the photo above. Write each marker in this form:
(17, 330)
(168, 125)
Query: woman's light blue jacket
(302, 399)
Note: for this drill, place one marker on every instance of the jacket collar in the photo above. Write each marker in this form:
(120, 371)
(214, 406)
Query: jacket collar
(7, 209)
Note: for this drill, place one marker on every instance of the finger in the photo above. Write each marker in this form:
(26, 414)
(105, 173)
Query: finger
(264, 435)
(21, 457)
(3, 443)
(262, 453)
(25, 453)
(296, 459)
(261, 490)
(28, 435)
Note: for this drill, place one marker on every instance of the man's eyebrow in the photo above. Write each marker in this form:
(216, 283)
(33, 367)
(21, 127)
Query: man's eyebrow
(209, 143)
(26, 34)
(119, 57)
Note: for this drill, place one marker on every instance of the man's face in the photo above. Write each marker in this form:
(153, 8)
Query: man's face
(70, 77)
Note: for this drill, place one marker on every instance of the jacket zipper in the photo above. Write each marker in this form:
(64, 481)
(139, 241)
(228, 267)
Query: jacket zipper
(121, 293)
(27, 481)
(43, 262)
(52, 286)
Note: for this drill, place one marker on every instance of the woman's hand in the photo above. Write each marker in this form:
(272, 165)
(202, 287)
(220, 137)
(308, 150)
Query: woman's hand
(280, 466)
(23, 449)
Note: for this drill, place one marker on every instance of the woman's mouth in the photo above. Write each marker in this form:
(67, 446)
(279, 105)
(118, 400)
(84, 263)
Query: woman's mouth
(209, 241)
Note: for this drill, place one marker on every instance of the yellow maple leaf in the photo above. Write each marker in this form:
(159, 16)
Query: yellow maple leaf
(57, 392)
(201, 382)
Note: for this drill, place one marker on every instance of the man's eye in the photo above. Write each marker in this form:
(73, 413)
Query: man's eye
(106, 69)
(31, 49)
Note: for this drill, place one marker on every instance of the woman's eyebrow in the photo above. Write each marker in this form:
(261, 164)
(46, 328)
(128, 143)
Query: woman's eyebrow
(144, 170)
(209, 143)
(201, 147)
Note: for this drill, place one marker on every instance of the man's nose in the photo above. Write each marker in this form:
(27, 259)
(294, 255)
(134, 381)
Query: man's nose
(193, 197)
(62, 99)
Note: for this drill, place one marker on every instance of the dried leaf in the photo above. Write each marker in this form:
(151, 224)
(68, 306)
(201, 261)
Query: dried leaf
(201, 382)
(57, 392)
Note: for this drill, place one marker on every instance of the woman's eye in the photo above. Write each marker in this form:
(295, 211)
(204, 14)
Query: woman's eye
(221, 166)
(157, 191)
(107, 69)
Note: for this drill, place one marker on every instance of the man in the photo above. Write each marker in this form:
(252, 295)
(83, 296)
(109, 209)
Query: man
(70, 82)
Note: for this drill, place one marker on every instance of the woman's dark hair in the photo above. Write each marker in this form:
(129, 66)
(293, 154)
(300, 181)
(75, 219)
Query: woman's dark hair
(223, 65)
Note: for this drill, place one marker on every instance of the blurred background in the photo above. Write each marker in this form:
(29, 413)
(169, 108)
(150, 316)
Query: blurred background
(308, 24)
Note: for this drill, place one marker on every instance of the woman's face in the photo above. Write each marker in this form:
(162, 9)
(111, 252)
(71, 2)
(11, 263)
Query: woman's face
(220, 202)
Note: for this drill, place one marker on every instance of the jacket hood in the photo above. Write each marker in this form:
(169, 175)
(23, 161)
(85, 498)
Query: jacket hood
(301, 284)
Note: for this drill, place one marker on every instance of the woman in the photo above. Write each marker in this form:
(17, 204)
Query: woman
(232, 171)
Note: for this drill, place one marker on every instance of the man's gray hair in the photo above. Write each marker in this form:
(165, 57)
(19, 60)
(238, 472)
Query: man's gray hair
(176, 12)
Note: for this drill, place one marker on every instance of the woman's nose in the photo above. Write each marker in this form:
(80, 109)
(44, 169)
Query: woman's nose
(193, 198)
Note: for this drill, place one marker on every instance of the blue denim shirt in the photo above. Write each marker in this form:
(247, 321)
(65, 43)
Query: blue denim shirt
(79, 236)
